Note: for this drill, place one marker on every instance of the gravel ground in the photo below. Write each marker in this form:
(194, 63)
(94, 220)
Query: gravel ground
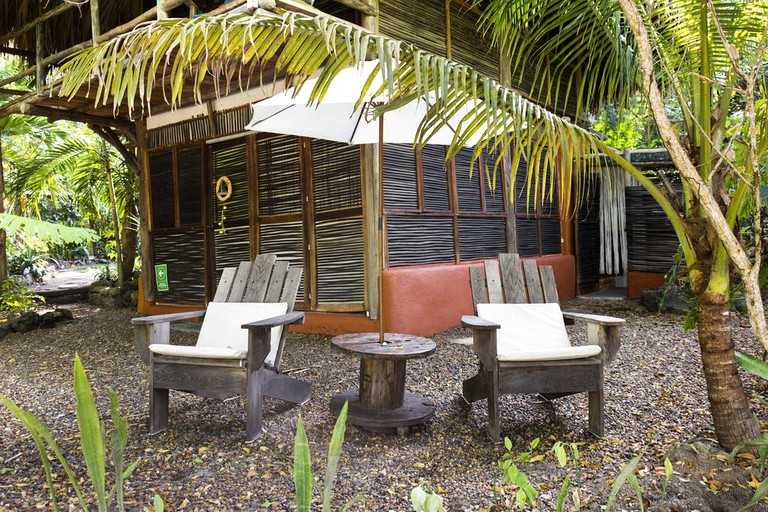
(655, 399)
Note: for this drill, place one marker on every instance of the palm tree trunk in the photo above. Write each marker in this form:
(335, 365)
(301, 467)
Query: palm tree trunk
(115, 217)
(129, 237)
(728, 401)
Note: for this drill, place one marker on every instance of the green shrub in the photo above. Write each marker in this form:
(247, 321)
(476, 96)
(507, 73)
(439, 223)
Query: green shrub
(16, 297)
(93, 444)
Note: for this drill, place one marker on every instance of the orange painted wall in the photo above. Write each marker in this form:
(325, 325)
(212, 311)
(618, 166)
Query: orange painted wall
(419, 300)
(639, 281)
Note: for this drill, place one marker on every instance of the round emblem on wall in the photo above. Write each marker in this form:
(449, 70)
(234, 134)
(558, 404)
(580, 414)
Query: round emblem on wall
(223, 188)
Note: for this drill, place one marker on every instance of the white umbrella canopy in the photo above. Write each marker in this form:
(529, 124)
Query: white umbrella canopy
(336, 118)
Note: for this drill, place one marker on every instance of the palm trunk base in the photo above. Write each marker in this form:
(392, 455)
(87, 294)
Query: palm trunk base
(731, 414)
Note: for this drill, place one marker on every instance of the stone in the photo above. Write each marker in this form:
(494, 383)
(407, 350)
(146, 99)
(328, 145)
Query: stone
(650, 300)
(26, 322)
(48, 320)
(674, 300)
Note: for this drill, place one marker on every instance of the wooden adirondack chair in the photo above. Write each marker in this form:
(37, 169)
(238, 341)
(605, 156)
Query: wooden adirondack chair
(519, 336)
(239, 348)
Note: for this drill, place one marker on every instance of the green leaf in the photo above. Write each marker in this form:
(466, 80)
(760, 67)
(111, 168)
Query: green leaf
(91, 437)
(334, 452)
(668, 470)
(48, 232)
(752, 364)
(626, 472)
(302, 469)
(760, 493)
(563, 494)
(36, 428)
(24, 417)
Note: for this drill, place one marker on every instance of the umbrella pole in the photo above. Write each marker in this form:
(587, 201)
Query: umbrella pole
(381, 229)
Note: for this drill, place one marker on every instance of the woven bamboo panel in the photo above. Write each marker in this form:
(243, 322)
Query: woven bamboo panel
(400, 185)
(468, 45)
(231, 247)
(651, 240)
(414, 240)
(420, 23)
(184, 255)
(468, 187)
(161, 189)
(187, 131)
(231, 161)
(588, 239)
(435, 179)
(495, 190)
(482, 237)
(336, 181)
(550, 236)
(279, 176)
(190, 171)
(527, 237)
(286, 240)
(340, 260)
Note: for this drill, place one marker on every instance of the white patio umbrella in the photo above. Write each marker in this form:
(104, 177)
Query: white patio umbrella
(336, 118)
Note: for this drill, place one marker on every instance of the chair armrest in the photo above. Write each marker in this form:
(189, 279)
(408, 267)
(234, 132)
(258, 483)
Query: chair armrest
(594, 319)
(171, 317)
(475, 322)
(602, 331)
(296, 317)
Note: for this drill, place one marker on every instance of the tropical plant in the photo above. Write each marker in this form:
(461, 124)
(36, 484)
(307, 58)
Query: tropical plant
(423, 499)
(93, 444)
(302, 465)
(16, 297)
(83, 170)
(706, 57)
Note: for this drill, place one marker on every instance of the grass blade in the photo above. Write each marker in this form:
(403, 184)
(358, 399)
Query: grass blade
(626, 471)
(91, 436)
(334, 452)
(302, 469)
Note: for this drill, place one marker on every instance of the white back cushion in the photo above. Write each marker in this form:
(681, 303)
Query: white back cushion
(223, 320)
(526, 327)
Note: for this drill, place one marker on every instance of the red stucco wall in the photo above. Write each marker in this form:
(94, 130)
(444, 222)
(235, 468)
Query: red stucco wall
(639, 281)
(419, 300)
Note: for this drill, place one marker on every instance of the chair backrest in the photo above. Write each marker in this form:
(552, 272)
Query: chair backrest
(525, 327)
(265, 280)
(511, 280)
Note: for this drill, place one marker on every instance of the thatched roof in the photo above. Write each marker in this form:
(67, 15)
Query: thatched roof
(73, 26)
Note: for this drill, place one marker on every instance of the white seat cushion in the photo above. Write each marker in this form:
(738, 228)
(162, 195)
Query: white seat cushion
(222, 335)
(532, 332)
(195, 351)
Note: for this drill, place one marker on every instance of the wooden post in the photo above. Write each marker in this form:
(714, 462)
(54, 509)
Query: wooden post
(39, 56)
(162, 14)
(95, 22)
(382, 384)
(147, 270)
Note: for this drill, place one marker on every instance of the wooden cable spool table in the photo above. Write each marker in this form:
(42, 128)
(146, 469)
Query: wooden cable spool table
(381, 403)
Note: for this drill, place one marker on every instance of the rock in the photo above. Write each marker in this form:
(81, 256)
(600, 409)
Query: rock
(63, 314)
(674, 299)
(26, 322)
(650, 300)
(5, 329)
(48, 320)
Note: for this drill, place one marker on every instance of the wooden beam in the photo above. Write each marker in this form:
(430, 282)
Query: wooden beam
(10, 50)
(95, 22)
(18, 92)
(364, 6)
(57, 57)
(54, 114)
(37, 21)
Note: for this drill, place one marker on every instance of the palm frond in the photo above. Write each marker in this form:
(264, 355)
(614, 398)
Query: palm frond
(177, 55)
(45, 231)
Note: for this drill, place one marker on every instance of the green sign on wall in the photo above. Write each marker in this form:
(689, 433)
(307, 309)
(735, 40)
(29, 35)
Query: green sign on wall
(161, 277)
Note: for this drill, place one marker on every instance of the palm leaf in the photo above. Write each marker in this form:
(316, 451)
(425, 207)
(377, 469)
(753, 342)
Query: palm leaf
(45, 231)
